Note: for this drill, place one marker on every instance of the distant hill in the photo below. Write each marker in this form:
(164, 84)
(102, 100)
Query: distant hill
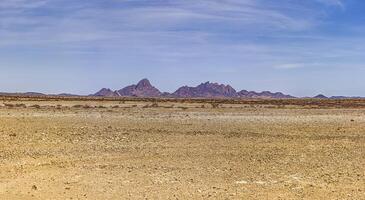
(37, 94)
(106, 92)
(22, 94)
(320, 96)
(67, 95)
(265, 94)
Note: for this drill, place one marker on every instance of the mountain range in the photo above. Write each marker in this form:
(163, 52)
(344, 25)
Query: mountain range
(205, 90)
(144, 88)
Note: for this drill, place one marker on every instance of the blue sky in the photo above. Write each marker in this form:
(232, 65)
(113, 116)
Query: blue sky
(300, 47)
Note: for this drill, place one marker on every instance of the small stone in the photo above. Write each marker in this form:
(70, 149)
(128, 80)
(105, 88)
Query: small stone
(34, 187)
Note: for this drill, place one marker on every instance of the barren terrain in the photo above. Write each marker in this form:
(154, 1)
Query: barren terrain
(76, 149)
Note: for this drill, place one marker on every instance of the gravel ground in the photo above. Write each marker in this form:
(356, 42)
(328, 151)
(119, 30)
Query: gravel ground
(181, 153)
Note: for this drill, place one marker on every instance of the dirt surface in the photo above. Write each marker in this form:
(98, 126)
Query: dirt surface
(144, 150)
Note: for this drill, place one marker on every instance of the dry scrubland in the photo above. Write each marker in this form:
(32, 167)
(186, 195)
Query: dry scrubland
(99, 149)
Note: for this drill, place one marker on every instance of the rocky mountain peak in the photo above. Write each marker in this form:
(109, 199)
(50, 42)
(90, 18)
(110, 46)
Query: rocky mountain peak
(142, 89)
(144, 83)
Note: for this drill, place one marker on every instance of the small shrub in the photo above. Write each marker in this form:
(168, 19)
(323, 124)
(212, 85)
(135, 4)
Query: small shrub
(183, 108)
(86, 106)
(154, 105)
(215, 105)
(20, 105)
(36, 106)
(9, 105)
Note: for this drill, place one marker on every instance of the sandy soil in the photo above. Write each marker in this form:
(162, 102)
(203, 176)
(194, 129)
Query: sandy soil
(179, 152)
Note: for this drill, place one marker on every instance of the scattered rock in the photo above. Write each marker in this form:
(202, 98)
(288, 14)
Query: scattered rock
(34, 187)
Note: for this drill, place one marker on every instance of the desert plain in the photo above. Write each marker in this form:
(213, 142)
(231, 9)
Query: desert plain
(151, 149)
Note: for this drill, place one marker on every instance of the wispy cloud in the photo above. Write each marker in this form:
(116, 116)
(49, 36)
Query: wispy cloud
(148, 24)
(339, 3)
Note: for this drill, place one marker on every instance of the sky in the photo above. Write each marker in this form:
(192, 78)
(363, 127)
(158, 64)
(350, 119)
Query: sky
(299, 47)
